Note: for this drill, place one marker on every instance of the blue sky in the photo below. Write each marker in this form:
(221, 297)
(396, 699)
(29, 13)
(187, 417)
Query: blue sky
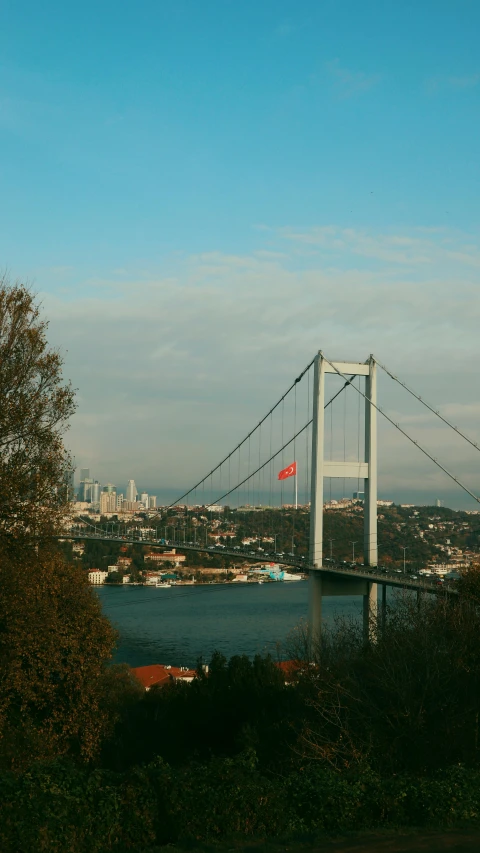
(301, 174)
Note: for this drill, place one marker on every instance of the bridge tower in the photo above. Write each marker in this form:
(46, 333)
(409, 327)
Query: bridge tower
(322, 582)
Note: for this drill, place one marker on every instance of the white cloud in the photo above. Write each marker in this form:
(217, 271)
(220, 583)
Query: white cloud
(412, 249)
(174, 370)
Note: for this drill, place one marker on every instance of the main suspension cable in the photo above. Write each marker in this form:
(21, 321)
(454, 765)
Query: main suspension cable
(413, 440)
(282, 448)
(427, 405)
(282, 398)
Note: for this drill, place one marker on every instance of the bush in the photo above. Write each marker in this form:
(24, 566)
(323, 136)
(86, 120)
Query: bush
(59, 807)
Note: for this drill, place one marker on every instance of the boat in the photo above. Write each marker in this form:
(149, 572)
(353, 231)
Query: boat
(163, 585)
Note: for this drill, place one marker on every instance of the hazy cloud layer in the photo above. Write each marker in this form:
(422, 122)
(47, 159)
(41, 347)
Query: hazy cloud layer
(172, 369)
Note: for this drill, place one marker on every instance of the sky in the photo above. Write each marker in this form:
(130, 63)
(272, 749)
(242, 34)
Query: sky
(205, 194)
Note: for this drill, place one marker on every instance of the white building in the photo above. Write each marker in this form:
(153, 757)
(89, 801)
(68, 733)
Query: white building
(95, 492)
(144, 499)
(97, 577)
(152, 502)
(131, 494)
(108, 502)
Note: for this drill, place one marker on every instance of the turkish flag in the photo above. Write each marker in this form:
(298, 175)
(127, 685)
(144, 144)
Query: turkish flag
(288, 472)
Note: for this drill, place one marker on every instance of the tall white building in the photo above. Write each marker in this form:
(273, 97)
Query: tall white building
(144, 499)
(108, 502)
(131, 494)
(95, 492)
(152, 502)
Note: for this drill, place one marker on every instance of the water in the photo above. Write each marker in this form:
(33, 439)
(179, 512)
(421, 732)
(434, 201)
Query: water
(178, 625)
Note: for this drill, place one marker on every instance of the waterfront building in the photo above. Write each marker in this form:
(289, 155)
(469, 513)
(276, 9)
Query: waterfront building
(96, 577)
(166, 557)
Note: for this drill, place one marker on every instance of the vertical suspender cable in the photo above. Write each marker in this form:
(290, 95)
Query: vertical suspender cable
(344, 435)
(295, 483)
(331, 445)
(358, 434)
(283, 461)
(307, 434)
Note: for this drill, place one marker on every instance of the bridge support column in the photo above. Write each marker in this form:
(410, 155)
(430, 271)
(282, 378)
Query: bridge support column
(370, 612)
(315, 611)
(316, 498)
(370, 549)
(383, 608)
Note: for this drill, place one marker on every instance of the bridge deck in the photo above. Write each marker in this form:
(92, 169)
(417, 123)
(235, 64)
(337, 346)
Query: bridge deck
(394, 579)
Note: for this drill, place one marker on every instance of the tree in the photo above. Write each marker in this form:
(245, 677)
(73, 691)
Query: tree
(54, 641)
(409, 701)
(35, 468)
(54, 644)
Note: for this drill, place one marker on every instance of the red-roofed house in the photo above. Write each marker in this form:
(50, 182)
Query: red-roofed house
(158, 675)
(151, 676)
(291, 669)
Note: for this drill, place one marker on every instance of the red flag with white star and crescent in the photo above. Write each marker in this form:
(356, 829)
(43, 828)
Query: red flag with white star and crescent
(290, 471)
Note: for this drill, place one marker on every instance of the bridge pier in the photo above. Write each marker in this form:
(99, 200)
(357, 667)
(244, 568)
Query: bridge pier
(322, 584)
(383, 608)
(315, 609)
(370, 612)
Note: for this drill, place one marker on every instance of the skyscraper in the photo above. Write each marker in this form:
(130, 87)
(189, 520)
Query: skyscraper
(131, 494)
(85, 485)
(144, 499)
(95, 492)
(152, 501)
(85, 491)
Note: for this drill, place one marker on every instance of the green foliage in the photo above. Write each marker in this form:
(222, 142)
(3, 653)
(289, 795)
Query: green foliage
(54, 645)
(59, 807)
(241, 704)
(114, 577)
(410, 701)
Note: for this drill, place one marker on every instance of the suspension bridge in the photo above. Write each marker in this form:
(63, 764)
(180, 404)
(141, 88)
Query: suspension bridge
(300, 429)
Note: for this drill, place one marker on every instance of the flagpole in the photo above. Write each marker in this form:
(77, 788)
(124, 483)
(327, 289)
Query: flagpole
(296, 486)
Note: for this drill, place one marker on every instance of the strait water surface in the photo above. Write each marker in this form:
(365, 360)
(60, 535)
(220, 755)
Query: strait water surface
(178, 625)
